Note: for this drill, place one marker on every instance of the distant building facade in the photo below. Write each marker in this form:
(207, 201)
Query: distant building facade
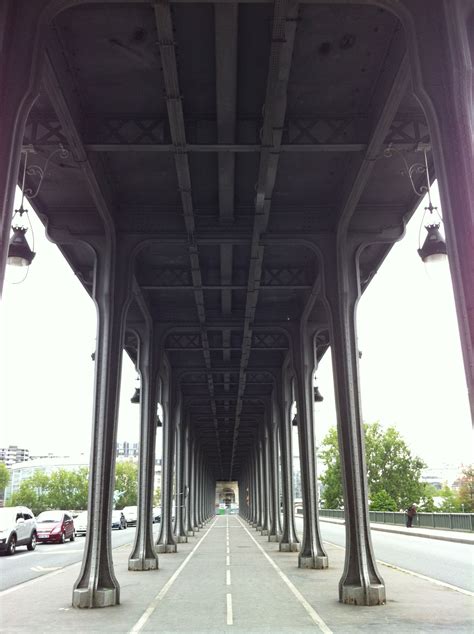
(11, 454)
(21, 471)
(127, 449)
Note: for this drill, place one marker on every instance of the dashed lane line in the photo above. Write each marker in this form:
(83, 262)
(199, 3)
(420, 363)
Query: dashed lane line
(309, 608)
(154, 603)
(230, 616)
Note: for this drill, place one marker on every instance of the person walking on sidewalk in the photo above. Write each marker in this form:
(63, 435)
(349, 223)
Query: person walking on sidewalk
(410, 513)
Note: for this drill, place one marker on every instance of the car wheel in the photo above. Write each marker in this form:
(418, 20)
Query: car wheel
(73, 537)
(32, 544)
(62, 539)
(11, 545)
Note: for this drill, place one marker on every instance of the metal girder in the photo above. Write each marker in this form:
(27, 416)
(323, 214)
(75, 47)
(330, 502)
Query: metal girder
(166, 44)
(321, 133)
(281, 52)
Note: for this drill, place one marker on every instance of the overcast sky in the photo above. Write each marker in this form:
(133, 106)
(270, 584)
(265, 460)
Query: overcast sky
(411, 366)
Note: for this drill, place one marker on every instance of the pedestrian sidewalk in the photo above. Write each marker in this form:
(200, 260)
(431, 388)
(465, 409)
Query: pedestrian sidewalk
(230, 579)
(416, 531)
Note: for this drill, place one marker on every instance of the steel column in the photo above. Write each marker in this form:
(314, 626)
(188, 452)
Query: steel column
(143, 555)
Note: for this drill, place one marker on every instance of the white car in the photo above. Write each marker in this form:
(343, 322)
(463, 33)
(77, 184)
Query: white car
(131, 513)
(80, 523)
(17, 528)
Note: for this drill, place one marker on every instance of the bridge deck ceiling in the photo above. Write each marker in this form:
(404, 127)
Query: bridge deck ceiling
(222, 161)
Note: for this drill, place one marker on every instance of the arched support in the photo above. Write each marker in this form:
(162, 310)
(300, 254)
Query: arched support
(441, 54)
(21, 54)
(97, 585)
(143, 555)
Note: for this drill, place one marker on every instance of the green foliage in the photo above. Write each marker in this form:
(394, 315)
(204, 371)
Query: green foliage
(157, 497)
(391, 469)
(381, 501)
(426, 504)
(68, 489)
(332, 479)
(126, 484)
(33, 493)
(466, 490)
(4, 476)
(450, 503)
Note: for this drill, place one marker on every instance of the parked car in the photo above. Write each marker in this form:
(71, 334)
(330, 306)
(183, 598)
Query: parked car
(55, 526)
(157, 514)
(118, 520)
(80, 524)
(130, 513)
(17, 528)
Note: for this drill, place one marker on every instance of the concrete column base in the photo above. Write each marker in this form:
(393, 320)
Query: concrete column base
(315, 561)
(190, 533)
(182, 539)
(166, 548)
(100, 598)
(258, 528)
(360, 595)
(264, 532)
(142, 563)
(289, 547)
(274, 538)
(196, 529)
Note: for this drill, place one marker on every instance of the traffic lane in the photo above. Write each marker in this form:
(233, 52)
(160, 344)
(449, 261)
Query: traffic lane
(449, 562)
(25, 565)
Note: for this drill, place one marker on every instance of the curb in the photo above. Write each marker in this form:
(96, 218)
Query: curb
(415, 533)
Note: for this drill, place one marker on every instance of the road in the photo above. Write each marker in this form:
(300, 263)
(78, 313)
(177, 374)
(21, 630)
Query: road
(25, 565)
(448, 562)
(445, 561)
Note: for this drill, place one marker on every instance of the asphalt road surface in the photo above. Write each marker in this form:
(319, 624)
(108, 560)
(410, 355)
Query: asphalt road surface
(25, 565)
(449, 562)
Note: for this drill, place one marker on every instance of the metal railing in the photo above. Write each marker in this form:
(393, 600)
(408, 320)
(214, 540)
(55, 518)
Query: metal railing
(446, 521)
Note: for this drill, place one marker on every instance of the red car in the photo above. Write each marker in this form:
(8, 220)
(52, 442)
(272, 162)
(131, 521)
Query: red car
(55, 526)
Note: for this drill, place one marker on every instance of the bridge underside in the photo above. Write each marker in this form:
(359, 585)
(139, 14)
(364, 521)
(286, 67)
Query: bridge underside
(235, 175)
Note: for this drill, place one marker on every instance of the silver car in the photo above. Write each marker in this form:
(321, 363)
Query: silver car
(17, 528)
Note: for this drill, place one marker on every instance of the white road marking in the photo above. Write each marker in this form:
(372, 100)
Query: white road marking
(227, 561)
(230, 616)
(437, 582)
(228, 551)
(309, 608)
(41, 569)
(227, 578)
(153, 605)
(41, 578)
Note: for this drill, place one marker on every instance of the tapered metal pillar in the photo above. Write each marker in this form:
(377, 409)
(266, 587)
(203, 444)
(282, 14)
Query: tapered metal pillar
(259, 482)
(265, 478)
(166, 542)
(180, 530)
(282, 398)
(188, 521)
(97, 585)
(274, 531)
(361, 582)
(143, 555)
(312, 553)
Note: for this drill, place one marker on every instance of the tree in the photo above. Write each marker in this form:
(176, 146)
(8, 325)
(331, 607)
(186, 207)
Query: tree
(157, 497)
(4, 476)
(69, 489)
(33, 493)
(381, 501)
(466, 490)
(391, 469)
(126, 484)
(450, 503)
